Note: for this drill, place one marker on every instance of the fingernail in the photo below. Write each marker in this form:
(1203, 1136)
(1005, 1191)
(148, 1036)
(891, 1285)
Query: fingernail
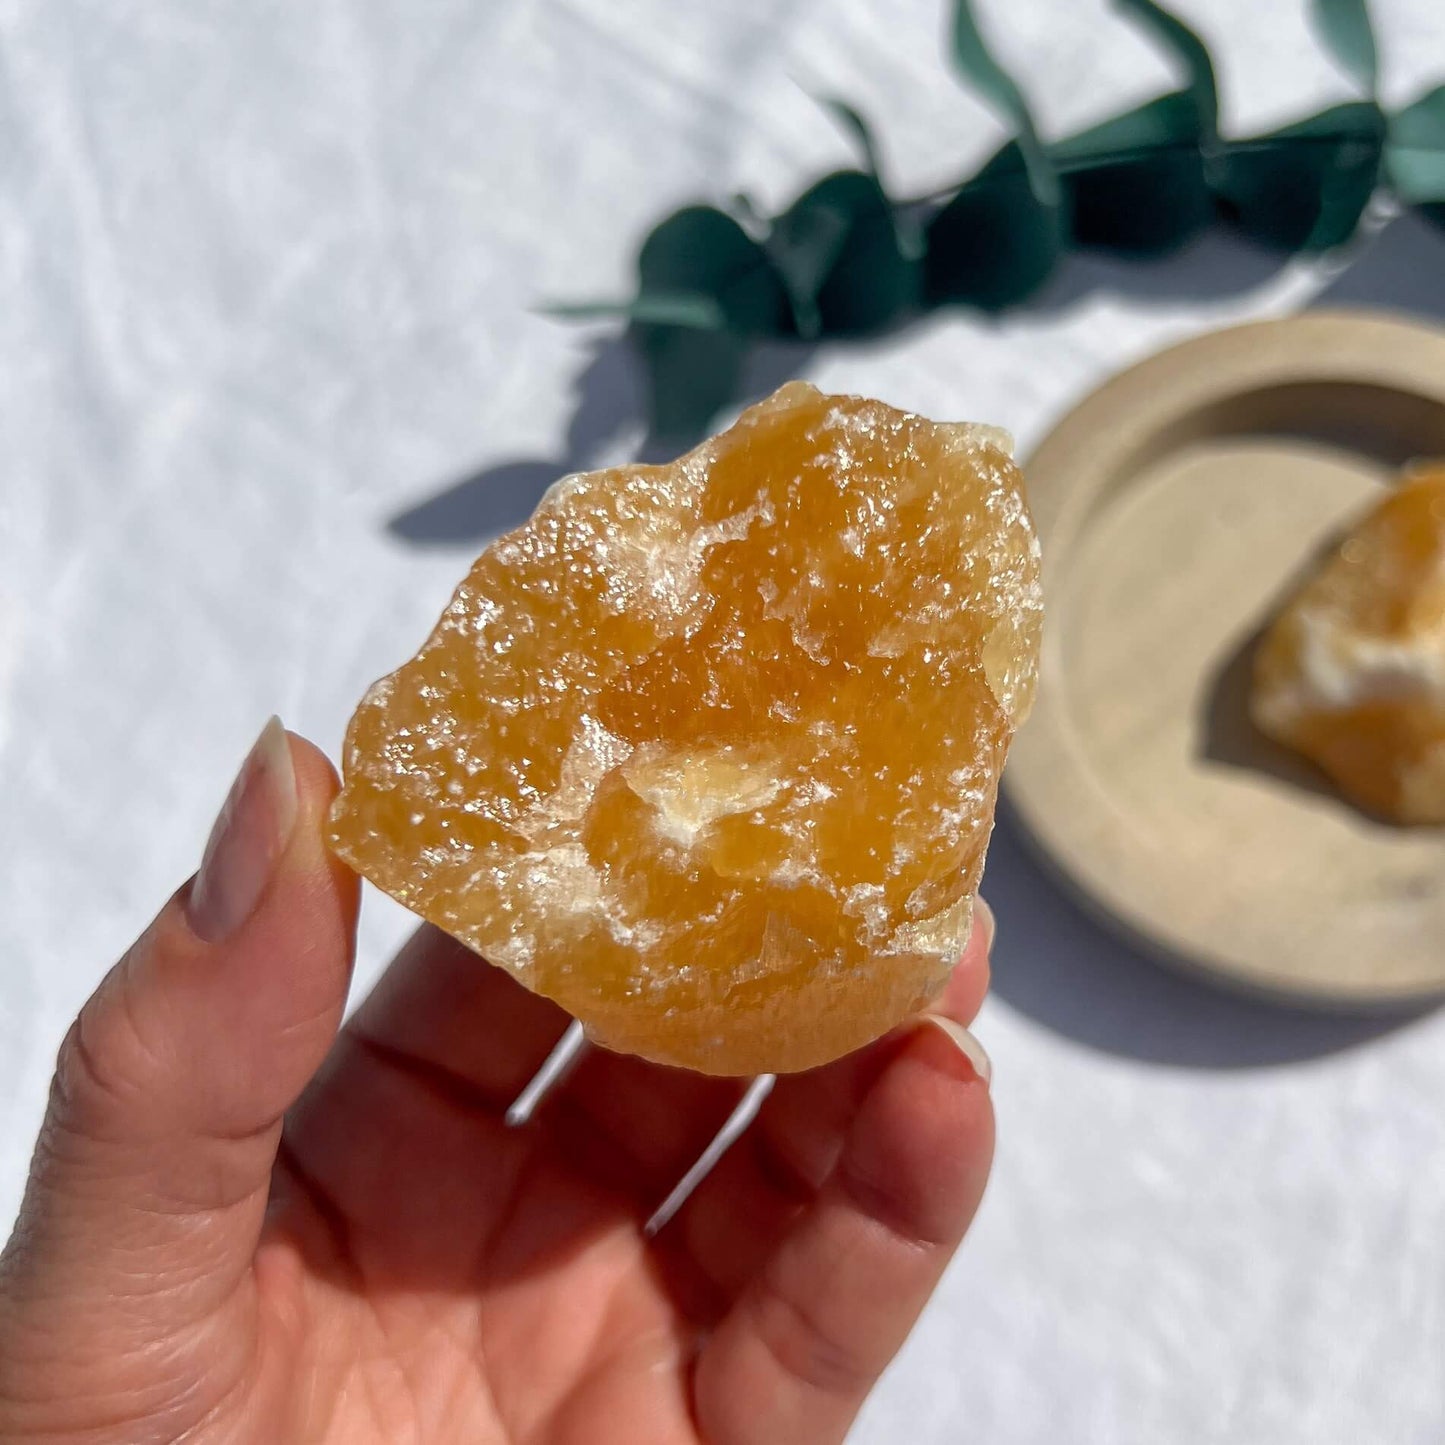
(964, 1042)
(248, 837)
(984, 914)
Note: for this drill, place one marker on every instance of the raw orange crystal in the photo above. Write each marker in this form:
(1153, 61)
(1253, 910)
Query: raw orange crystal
(1352, 673)
(708, 752)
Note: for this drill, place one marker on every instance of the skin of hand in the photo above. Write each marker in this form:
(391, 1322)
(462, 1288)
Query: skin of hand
(243, 1225)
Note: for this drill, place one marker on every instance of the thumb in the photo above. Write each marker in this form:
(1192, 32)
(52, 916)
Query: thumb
(150, 1179)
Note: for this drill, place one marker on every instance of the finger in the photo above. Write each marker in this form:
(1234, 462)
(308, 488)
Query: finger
(150, 1177)
(798, 1352)
(642, 1125)
(737, 1215)
(443, 1006)
(662, 1119)
(468, 1032)
(806, 1114)
(450, 1019)
(416, 1089)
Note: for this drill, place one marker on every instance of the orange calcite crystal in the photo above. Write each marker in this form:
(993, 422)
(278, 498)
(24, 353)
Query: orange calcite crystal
(708, 752)
(1352, 673)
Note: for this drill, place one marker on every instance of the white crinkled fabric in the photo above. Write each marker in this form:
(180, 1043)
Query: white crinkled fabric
(266, 279)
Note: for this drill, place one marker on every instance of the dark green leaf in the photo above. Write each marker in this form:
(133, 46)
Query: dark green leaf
(838, 249)
(977, 65)
(1305, 186)
(1191, 52)
(804, 245)
(845, 260)
(692, 375)
(700, 251)
(1415, 150)
(1344, 26)
(994, 243)
(861, 132)
(1137, 182)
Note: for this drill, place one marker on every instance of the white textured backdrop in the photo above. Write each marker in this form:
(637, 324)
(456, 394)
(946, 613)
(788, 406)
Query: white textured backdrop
(268, 374)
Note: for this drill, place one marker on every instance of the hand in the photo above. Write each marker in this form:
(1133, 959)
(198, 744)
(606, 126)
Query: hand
(395, 1264)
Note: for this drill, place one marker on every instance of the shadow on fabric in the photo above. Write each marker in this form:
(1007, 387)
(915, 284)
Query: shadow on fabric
(1054, 963)
(610, 405)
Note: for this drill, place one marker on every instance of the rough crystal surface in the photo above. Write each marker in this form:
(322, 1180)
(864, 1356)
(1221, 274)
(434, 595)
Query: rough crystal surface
(1352, 672)
(708, 752)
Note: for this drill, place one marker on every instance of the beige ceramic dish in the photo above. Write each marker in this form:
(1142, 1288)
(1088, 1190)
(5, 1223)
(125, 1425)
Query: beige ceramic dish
(1177, 505)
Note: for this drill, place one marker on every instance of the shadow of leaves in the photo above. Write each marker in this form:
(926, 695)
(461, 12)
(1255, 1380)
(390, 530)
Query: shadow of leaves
(609, 410)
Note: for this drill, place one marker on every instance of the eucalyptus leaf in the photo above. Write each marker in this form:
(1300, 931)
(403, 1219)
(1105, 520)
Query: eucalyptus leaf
(995, 242)
(976, 63)
(1171, 32)
(1344, 26)
(691, 375)
(1137, 182)
(1415, 150)
(839, 250)
(1304, 187)
(701, 251)
(804, 245)
(847, 259)
(858, 128)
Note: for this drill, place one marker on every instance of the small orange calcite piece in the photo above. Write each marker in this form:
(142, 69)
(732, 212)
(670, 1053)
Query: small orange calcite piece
(708, 752)
(1352, 673)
